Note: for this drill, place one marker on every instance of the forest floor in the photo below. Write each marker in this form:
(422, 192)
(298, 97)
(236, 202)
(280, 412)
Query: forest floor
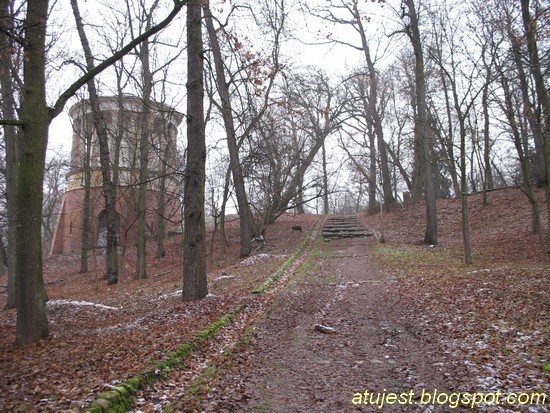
(407, 318)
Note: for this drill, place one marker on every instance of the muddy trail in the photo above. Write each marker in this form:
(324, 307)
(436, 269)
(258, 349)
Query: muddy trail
(334, 333)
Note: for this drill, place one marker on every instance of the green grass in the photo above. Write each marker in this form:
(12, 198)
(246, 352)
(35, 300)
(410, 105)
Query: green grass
(415, 255)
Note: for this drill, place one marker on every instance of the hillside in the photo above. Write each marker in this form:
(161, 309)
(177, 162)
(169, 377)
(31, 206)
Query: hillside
(486, 325)
(500, 230)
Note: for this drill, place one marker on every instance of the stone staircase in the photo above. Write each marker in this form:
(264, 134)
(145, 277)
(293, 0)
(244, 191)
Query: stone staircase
(344, 226)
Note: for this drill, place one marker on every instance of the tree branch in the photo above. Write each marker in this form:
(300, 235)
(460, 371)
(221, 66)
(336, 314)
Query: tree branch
(59, 105)
(11, 122)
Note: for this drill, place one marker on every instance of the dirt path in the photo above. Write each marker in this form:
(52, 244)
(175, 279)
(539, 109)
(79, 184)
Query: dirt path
(291, 367)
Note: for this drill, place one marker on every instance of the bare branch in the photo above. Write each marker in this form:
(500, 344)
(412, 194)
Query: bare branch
(58, 107)
(11, 122)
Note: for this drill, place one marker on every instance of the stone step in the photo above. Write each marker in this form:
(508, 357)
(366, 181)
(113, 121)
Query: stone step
(345, 226)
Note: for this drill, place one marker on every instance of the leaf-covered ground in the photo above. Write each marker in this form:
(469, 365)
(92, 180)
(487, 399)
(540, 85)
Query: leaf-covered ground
(440, 323)
(407, 317)
(489, 321)
(92, 347)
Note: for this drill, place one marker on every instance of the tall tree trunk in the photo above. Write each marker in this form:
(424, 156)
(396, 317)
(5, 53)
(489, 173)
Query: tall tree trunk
(144, 142)
(32, 323)
(194, 249)
(422, 133)
(223, 237)
(245, 215)
(10, 139)
(527, 185)
(109, 189)
(487, 170)
(372, 106)
(161, 200)
(373, 207)
(463, 185)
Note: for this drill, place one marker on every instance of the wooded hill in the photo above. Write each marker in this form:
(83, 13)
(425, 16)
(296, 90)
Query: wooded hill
(101, 335)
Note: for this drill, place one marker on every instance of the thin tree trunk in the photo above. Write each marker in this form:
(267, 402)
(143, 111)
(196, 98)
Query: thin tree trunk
(144, 142)
(109, 189)
(161, 201)
(86, 207)
(449, 142)
(161, 220)
(527, 185)
(325, 182)
(194, 254)
(223, 236)
(300, 194)
(245, 215)
(487, 170)
(373, 207)
(464, 188)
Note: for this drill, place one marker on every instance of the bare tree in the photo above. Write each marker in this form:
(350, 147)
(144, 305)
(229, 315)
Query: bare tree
(86, 135)
(100, 126)
(509, 32)
(253, 71)
(287, 141)
(422, 130)
(527, 185)
(34, 118)
(194, 249)
(54, 177)
(542, 94)
(9, 48)
(144, 143)
(349, 13)
(245, 214)
(458, 77)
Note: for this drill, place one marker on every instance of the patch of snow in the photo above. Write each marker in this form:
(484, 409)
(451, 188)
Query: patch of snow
(166, 296)
(256, 258)
(478, 271)
(81, 304)
(224, 277)
(481, 345)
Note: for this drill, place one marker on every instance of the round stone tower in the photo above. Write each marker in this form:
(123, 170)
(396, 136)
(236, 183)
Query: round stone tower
(127, 118)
